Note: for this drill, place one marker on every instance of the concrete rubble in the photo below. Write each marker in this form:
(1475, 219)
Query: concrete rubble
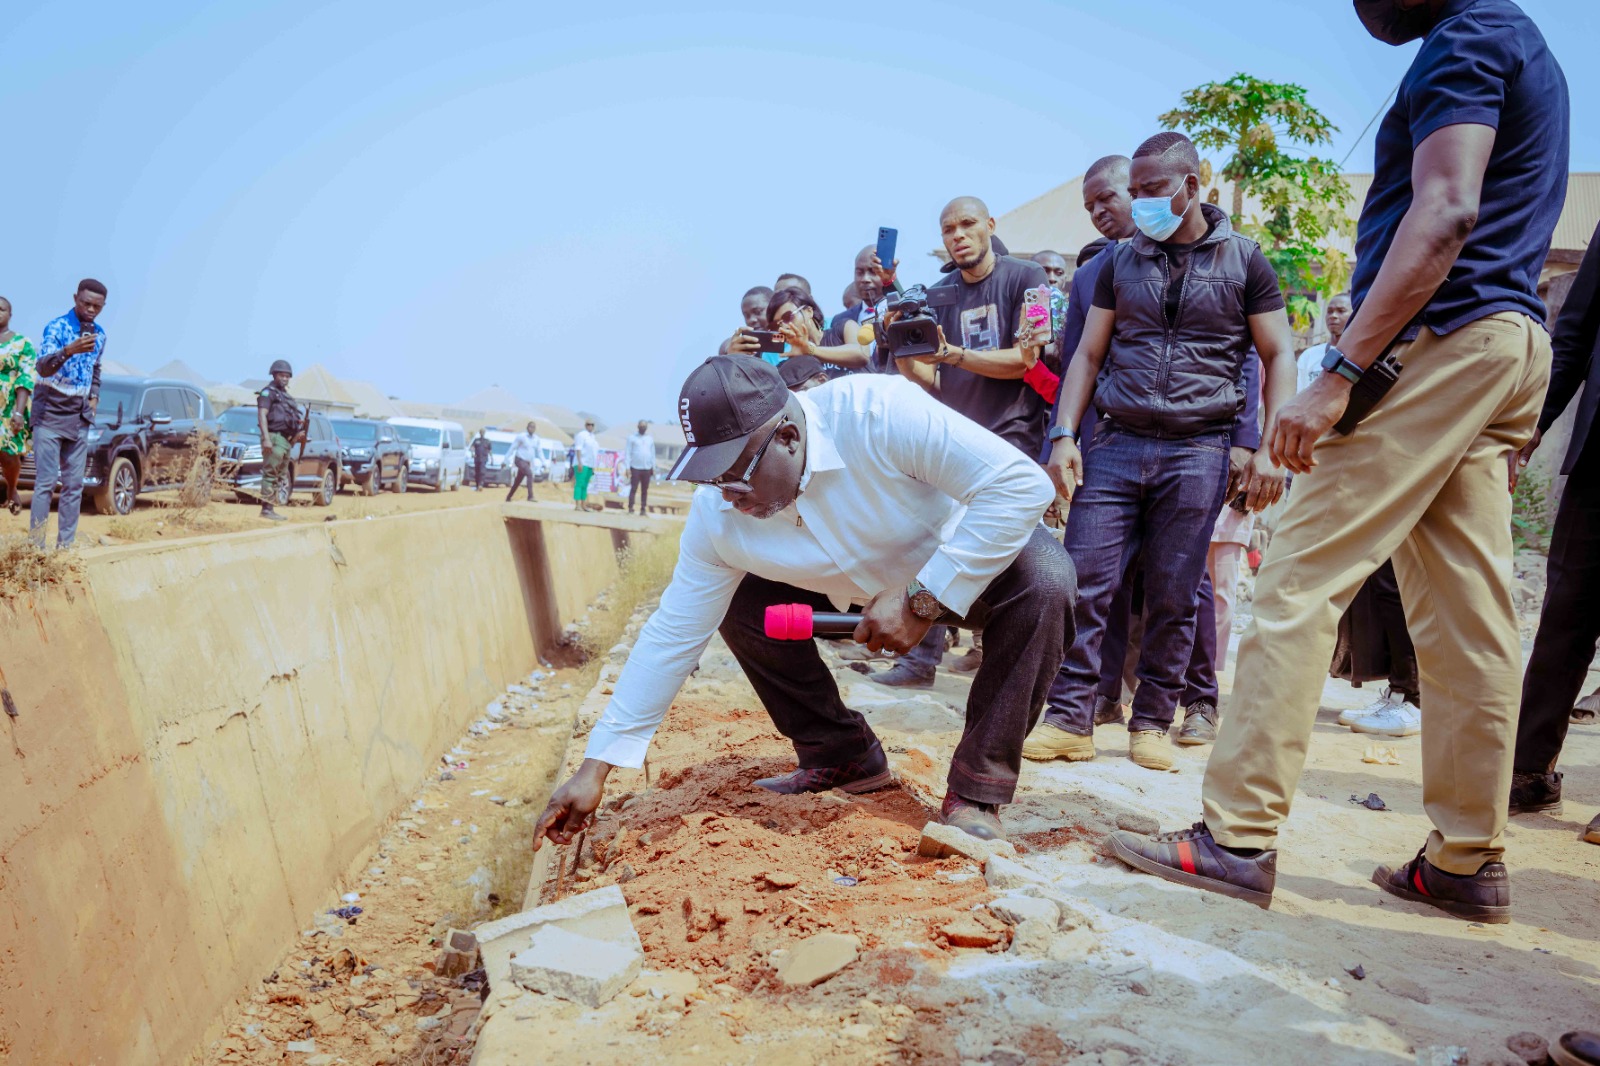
(817, 958)
(572, 966)
(941, 841)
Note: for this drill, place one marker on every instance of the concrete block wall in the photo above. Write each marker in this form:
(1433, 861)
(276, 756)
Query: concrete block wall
(212, 732)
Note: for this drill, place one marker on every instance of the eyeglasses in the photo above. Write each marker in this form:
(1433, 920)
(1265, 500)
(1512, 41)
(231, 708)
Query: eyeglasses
(790, 315)
(740, 486)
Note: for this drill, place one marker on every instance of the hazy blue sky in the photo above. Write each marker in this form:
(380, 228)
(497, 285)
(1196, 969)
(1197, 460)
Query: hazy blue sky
(569, 201)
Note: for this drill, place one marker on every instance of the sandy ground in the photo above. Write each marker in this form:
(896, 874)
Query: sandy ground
(722, 878)
(1140, 971)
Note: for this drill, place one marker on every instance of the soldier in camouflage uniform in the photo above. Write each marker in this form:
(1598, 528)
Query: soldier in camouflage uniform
(280, 420)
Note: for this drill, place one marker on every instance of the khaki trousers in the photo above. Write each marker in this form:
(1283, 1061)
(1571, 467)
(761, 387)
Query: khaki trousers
(1422, 479)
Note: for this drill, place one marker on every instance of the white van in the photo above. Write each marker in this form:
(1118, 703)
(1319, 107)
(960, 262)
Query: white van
(438, 451)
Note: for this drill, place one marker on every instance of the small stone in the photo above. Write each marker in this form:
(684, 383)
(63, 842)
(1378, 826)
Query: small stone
(665, 983)
(966, 932)
(1406, 988)
(1004, 875)
(781, 879)
(1143, 824)
(1441, 1056)
(1072, 945)
(1014, 910)
(859, 1031)
(460, 954)
(940, 841)
(817, 958)
(1032, 938)
(1005, 1056)
(302, 1047)
(1530, 1047)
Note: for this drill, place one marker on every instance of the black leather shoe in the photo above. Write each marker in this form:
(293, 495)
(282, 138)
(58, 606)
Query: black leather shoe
(1199, 724)
(981, 820)
(1535, 792)
(1577, 1048)
(866, 774)
(1192, 857)
(1481, 897)
(1107, 712)
(902, 676)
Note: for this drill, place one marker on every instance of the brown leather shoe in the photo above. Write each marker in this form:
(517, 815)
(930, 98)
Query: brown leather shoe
(981, 820)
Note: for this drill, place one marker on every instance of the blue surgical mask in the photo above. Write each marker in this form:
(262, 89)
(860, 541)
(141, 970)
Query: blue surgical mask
(1154, 217)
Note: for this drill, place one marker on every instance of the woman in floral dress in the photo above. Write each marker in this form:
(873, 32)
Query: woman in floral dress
(17, 357)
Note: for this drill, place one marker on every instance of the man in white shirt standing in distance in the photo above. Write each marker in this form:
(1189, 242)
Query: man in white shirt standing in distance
(524, 452)
(641, 466)
(862, 491)
(586, 454)
(1309, 364)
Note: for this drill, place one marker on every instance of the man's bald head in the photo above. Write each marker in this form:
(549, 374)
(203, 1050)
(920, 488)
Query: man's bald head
(1105, 196)
(967, 229)
(1109, 167)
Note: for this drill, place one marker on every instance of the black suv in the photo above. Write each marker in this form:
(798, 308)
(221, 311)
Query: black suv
(372, 455)
(315, 467)
(148, 435)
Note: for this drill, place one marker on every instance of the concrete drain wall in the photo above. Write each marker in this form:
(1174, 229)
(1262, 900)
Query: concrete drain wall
(211, 733)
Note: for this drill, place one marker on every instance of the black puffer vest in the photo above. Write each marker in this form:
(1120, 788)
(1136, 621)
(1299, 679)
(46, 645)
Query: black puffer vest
(1178, 379)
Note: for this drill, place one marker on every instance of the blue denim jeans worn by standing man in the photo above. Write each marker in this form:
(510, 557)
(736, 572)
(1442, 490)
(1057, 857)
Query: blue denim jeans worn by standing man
(57, 456)
(1157, 499)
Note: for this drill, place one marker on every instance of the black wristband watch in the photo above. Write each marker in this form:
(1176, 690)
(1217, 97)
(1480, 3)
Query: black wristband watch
(1334, 361)
(924, 604)
(1057, 432)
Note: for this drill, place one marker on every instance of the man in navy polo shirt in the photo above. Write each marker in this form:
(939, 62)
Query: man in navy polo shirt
(1470, 176)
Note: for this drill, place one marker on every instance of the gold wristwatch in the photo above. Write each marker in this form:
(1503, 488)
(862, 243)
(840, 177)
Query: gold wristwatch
(924, 604)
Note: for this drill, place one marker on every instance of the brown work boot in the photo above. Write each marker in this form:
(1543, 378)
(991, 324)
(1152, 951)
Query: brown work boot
(1048, 742)
(1151, 749)
(981, 820)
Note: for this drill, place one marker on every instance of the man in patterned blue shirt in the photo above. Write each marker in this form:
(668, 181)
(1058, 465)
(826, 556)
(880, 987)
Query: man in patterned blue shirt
(63, 409)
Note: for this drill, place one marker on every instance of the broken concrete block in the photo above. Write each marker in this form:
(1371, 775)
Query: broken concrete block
(1031, 939)
(1072, 945)
(459, 956)
(1004, 874)
(1016, 909)
(576, 967)
(602, 914)
(817, 958)
(966, 932)
(940, 841)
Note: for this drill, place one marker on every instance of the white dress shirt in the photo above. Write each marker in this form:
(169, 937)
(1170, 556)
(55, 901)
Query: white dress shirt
(587, 448)
(896, 486)
(641, 452)
(525, 447)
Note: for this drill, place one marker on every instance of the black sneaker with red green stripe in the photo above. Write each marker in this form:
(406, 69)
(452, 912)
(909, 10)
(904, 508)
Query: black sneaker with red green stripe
(1192, 857)
(1481, 897)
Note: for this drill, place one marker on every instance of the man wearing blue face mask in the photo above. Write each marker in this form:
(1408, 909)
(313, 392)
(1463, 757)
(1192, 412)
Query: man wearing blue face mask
(1174, 315)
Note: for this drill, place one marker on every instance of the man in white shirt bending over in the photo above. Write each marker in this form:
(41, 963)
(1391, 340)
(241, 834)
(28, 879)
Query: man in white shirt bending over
(641, 466)
(868, 492)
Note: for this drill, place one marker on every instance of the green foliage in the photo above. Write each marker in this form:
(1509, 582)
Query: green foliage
(1266, 127)
(1531, 512)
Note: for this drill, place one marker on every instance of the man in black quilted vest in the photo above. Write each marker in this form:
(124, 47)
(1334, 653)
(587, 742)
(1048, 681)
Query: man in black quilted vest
(1174, 315)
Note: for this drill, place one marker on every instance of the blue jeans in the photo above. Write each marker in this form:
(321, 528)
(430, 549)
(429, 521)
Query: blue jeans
(1125, 632)
(57, 456)
(1157, 500)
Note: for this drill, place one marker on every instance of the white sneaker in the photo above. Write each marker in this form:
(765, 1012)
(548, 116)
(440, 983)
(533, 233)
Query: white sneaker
(1397, 720)
(1382, 703)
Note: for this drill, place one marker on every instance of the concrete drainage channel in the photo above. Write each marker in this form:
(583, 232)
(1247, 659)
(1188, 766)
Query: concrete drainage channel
(211, 735)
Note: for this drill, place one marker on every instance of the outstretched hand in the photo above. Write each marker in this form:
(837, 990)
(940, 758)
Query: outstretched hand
(571, 806)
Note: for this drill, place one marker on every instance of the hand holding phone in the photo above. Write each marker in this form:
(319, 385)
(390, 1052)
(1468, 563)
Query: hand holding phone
(768, 341)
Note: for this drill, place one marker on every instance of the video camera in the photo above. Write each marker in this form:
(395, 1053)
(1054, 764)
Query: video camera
(915, 331)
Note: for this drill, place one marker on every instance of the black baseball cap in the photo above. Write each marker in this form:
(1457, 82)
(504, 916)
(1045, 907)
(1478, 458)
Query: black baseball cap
(725, 400)
(799, 368)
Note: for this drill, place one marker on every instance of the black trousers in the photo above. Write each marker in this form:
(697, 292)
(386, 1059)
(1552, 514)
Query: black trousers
(639, 482)
(1569, 624)
(479, 469)
(524, 473)
(1026, 618)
